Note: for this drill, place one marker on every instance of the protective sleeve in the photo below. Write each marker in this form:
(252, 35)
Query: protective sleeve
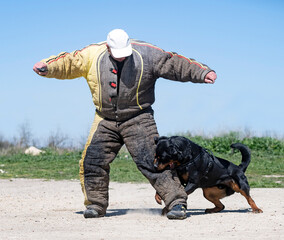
(68, 65)
(179, 68)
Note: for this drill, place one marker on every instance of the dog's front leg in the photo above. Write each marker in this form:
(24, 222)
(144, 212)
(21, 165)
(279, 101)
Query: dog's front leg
(159, 201)
(158, 198)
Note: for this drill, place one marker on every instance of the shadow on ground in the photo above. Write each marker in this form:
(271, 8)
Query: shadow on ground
(158, 211)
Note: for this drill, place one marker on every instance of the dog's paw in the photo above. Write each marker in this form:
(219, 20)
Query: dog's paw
(158, 198)
(215, 209)
(258, 210)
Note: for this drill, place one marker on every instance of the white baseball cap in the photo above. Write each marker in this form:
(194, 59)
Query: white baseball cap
(119, 43)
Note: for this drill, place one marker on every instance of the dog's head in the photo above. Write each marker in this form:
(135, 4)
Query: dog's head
(169, 152)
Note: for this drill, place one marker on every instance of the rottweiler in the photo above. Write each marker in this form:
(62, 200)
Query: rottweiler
(198, 168)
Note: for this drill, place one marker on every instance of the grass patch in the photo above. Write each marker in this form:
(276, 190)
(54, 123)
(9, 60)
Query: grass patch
(260, 181)
(50, 165)
(123, 169)
(262, 168)
(265, 170)
(63, 165)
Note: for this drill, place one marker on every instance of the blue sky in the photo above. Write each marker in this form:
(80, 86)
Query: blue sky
(241, 40)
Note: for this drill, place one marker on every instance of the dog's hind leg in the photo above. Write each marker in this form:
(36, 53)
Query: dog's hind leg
(250, 201)
(214, 194)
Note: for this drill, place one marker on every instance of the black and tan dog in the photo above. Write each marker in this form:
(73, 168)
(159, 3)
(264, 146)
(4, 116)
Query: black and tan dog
(197, 168)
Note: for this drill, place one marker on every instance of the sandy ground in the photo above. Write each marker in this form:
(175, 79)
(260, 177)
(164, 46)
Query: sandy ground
(37, 209)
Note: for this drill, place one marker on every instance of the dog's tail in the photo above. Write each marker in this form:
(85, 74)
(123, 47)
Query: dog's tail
(245, 151)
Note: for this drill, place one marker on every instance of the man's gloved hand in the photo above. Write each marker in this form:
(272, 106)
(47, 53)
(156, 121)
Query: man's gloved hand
(40, 68)
(210, 77)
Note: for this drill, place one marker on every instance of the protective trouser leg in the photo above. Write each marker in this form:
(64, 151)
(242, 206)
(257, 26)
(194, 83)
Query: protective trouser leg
(102, 147)
(138, 135)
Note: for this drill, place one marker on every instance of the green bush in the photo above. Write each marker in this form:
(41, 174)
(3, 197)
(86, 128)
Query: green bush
(221, 144)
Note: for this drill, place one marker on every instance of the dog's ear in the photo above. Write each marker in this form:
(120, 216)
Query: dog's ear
(157, 139)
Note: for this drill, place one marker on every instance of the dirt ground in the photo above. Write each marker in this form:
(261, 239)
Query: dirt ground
(38, 209)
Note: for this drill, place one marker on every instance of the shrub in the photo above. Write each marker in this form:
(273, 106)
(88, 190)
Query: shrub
(221, 144)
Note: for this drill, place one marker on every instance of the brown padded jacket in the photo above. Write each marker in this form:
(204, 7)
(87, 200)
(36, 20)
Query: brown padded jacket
(135, 90)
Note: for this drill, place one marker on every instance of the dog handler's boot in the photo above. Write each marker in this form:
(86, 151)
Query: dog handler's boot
(177, 212)
(91, 213)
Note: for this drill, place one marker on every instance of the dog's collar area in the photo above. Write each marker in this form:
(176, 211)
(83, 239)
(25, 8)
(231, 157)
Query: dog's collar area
(198, 166)
(192, 162)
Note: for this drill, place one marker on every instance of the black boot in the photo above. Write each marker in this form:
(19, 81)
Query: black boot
(177, 212)
(91, 213)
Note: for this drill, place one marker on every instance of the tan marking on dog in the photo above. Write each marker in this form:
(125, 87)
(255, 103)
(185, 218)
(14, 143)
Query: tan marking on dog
(214, 194)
